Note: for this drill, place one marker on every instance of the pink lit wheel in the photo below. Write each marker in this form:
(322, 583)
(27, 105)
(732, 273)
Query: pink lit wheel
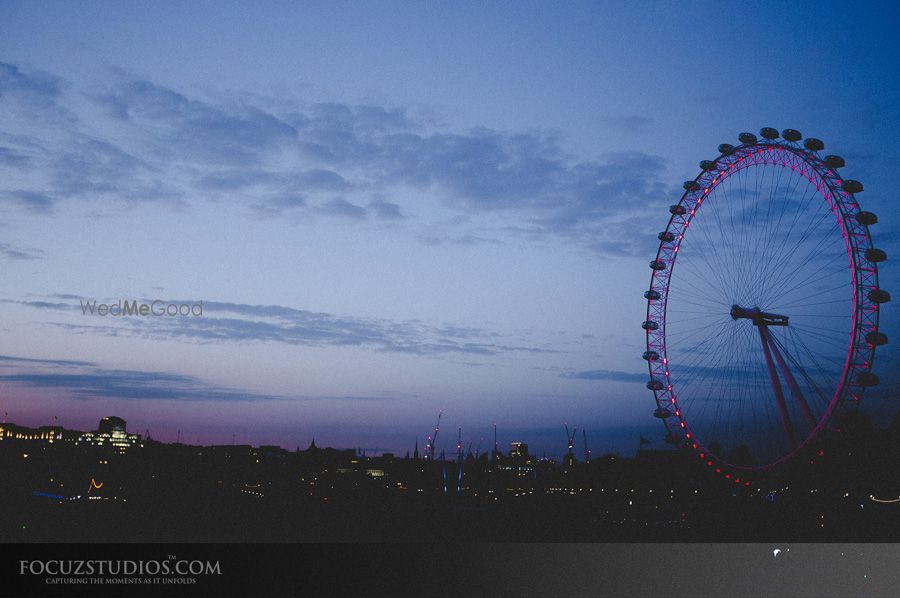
(769, 325)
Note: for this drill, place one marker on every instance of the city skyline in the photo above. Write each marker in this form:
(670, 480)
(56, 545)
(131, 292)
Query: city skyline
(387, 211)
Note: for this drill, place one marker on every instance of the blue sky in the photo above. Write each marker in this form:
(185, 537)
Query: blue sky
(388, 209)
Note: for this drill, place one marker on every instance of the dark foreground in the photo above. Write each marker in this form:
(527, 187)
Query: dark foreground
(178, 493)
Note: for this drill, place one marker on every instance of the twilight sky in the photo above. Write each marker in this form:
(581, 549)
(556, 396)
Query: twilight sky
(389, 209)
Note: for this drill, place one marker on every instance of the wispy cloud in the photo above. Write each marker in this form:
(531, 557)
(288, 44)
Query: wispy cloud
(632, 123)
(19, 253)
(33, 88)
(609, 375)
(12, 360)
(126, 384)
(238, 322)
(33, 201)
(287, 159)
(86, 380)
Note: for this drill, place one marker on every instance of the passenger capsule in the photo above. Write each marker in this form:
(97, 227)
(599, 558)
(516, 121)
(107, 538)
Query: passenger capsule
(651, 295)
(658, 265)
(875, 255)
(726, 149)
(879, 296)
(867, 218)
(867, 379)
(655, 384)
(650, 325)
(813, 144)
(834, 161)
(666, 236)
(662, 413)
(708, 164)
(876, 338)
(769, 133)
(650, 356)
(672, 439)
(678, 209)
(747, 138)
(691, 185)
(791, 135)
(851, 186)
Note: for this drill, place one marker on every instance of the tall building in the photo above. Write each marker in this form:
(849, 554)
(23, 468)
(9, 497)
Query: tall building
(111, 431)
(519, 460)
(518, 450)
(110, 425)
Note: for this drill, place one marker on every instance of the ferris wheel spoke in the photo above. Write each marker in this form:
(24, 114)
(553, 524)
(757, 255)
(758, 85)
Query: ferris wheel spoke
(735, 270)
(811, 276)
(813, 304)
(779, 252)
(764, 240)
(787, 268)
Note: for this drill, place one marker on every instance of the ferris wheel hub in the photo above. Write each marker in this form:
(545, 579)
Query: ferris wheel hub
(759, 318)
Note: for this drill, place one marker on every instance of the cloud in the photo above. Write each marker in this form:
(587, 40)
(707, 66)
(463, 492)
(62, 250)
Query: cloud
(14, 360)
(279, 206)
(363, 399)
(35, 87)
(41, 304)
(13, 158)
(238, 322)
(284, 158)
(436, 237)
(12, 253)
(342, 208)
(32, 201)
(385, 210)
(128, 384)
(629, 124)
(611, 375)
(86, 380)
(193, 129)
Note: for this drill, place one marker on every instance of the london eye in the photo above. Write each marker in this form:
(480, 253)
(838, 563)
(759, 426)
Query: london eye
(768, 326)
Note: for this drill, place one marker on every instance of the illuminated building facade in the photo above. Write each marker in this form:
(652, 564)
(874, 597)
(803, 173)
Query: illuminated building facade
(111, 432)
(519, 461)
(49, 434)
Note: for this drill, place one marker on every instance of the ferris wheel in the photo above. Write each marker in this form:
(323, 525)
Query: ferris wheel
(769, 324)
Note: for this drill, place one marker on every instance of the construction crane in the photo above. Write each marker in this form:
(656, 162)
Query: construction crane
(587, 451)
(459, 459)
(569, 459)
(430, 447)
(496, 454)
